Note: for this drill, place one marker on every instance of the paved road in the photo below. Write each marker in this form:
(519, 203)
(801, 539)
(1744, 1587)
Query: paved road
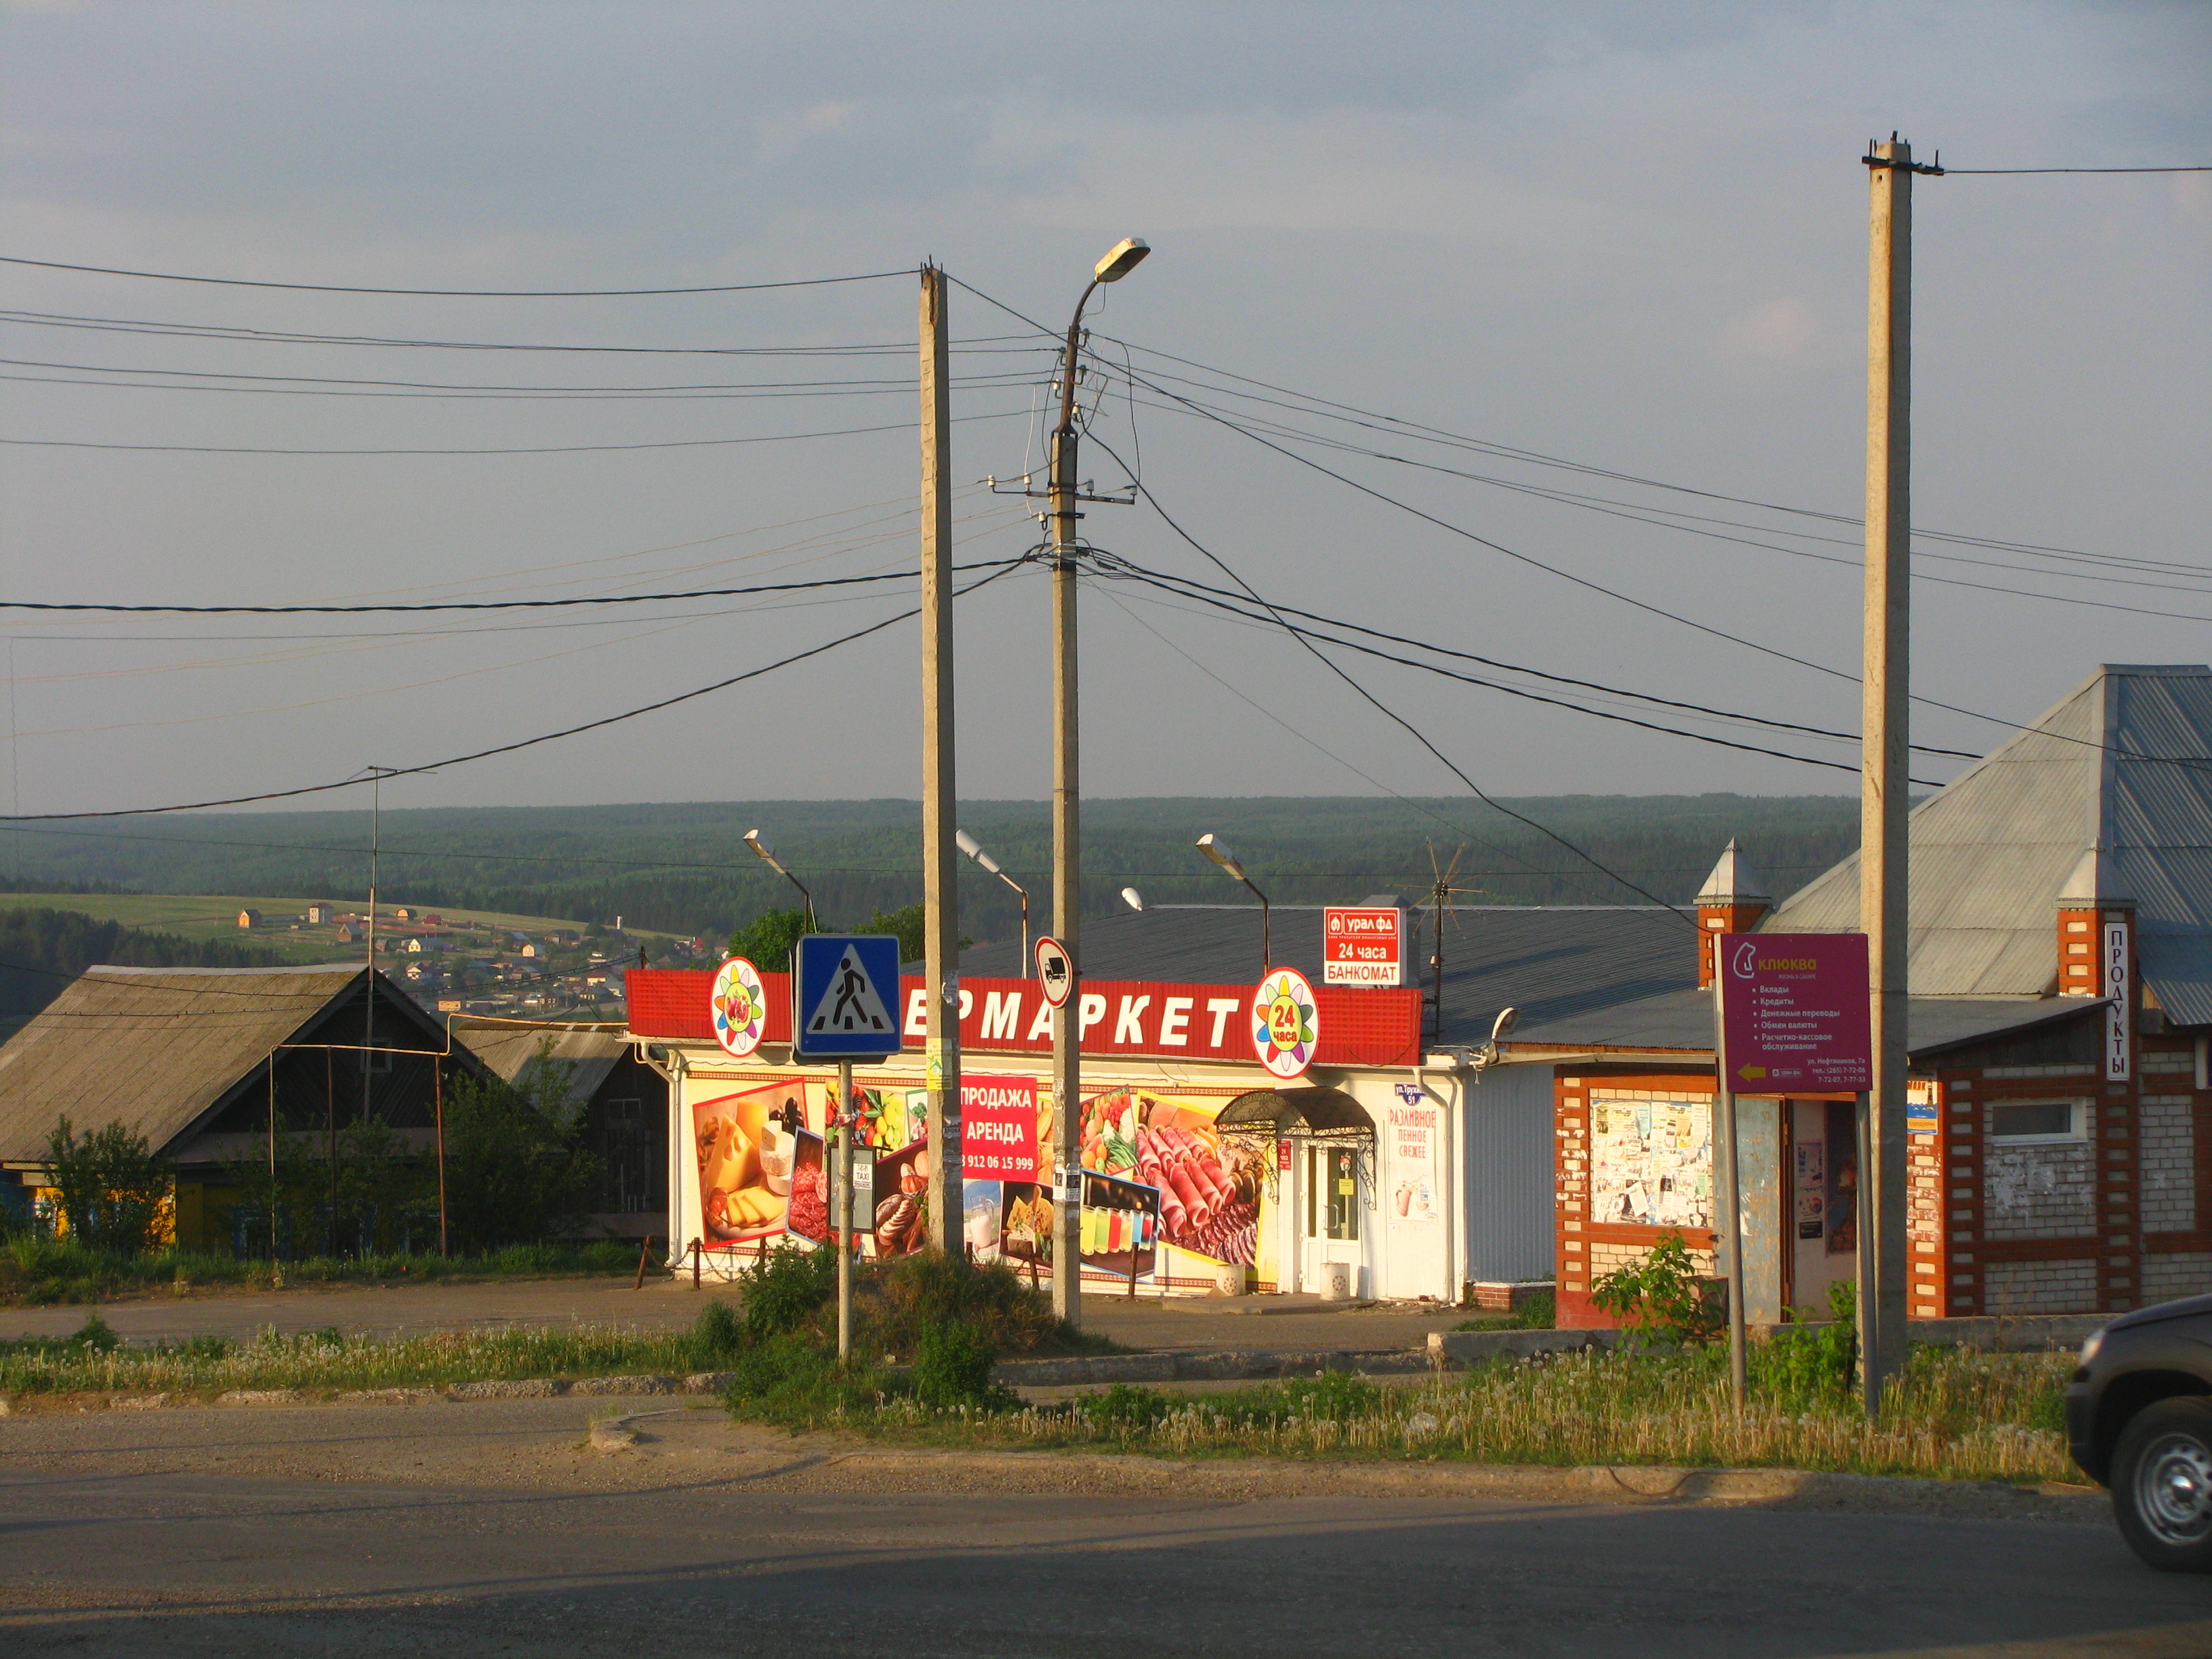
(488, 1529)
(1189, 1323)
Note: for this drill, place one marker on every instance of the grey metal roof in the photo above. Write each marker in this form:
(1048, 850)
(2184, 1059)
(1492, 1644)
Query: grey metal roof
(2122, 766)
(511, 1049)
(1683, 1020)
(1549, 961)
(153, 1047)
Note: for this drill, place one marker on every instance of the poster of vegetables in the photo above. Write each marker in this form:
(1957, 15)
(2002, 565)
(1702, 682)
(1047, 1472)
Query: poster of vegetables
(1212, 1187)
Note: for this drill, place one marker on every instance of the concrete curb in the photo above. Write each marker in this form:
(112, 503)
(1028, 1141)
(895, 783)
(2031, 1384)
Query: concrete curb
(1471, 1347)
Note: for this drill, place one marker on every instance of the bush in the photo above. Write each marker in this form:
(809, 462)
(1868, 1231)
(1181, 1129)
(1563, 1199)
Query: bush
(1800, 1367)
(952, 1369)
(790, 1291)
(113, 1187)
(515, 1174)
(1662, 1299)
(796, 1379)
(911, 1295)
(716, 1337)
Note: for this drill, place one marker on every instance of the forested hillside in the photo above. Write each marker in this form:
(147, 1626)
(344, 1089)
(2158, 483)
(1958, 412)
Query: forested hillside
(684, 867)
(42, 951)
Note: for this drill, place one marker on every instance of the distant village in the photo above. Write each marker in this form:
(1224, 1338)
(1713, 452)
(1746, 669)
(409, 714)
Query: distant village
(470, 965)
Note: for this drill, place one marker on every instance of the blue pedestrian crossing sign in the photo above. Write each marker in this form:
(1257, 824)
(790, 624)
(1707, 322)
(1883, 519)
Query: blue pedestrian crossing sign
(844, 997)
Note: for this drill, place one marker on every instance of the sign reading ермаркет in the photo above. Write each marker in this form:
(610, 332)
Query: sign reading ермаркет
(1793, 1012)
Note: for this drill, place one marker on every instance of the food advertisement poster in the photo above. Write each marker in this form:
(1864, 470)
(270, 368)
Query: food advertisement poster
(1212, 1187)
(1651, 1162)
(760, 1167)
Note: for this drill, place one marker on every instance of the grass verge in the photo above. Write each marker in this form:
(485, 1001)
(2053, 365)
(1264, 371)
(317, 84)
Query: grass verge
(43, 1273)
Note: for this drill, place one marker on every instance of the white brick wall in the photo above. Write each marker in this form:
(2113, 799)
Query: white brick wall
(2169, 1164)
(2039, 1192)
(1604, 1258)
(2167, 1277)
(2040, 1287)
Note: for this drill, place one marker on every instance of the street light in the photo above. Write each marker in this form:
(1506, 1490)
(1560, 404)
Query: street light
(973, 849)
(1218, 849)
(1067, 897)
(1132, 898)
(753, 840)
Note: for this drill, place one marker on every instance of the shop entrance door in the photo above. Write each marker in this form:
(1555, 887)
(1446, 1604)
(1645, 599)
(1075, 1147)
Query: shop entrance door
(1330, 1215)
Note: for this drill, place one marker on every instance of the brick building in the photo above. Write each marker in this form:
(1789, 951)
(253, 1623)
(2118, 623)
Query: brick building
(2061, 971)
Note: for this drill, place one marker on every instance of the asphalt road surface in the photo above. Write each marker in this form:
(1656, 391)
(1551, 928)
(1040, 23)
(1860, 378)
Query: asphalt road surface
(493, 1530)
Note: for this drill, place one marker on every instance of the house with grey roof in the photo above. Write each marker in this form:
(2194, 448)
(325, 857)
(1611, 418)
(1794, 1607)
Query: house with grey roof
(210, 1064)
(2060, 972)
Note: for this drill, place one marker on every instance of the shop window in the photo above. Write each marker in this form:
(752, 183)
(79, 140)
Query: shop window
(1332, 1193)
(2030, 1122)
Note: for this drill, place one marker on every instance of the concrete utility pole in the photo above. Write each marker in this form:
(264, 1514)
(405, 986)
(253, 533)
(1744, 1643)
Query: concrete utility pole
(939, 803)
(1066, 842)
(1883, 843)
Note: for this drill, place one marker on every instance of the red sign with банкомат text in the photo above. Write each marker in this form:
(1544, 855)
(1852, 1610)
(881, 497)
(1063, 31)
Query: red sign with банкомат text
(1793, 1013)
(1360, 945)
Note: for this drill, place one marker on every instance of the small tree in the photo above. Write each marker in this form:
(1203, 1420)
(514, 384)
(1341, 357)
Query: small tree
(113, 1190)
(1662, 1298)
(769, 940)
(514, 1173)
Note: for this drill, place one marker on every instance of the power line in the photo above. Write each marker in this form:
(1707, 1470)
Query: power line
(545, 449)
(1382, 708)
(499, 749)
(1201, 588)
(489, 604)
(457, 292)
(2023, 172)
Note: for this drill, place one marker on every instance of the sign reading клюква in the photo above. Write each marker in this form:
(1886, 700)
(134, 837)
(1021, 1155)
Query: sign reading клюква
(1793, 1013)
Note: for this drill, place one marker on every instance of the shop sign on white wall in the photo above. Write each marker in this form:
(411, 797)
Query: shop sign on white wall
(2117, 983)
(1412, 1152)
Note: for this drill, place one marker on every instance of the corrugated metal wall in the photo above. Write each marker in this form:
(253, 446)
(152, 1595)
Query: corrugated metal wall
(1508, 1173)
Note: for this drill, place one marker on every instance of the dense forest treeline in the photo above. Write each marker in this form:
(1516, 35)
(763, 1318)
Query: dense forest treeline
(42, 951)
(684, 867)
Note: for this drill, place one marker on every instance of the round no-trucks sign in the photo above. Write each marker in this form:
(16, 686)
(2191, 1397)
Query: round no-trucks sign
(740, 1004)
(1055, 971)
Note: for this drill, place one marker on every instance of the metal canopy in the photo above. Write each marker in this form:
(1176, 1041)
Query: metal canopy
(1313, 1111)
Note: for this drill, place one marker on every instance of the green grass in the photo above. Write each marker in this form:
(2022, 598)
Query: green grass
(42, 1273)
(1537, 1312)
(1954, 1415)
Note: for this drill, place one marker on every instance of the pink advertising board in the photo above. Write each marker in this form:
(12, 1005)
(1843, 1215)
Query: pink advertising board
(1793, 1013)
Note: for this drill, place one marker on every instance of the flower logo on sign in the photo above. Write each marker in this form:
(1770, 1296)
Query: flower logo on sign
(739, 1002)
(1285, 1022)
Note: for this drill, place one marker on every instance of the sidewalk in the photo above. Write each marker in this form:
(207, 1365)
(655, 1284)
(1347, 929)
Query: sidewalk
(1206, 1325)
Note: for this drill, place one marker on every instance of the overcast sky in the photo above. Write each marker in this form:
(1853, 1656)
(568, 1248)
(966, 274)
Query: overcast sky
(1629, 237)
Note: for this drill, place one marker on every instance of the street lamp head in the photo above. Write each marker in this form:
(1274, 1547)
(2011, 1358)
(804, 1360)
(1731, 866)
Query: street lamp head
(753, 840)
(1218, 849)
(974, 848)
(1124, 257)
(1132, 898)
(1507, 1019)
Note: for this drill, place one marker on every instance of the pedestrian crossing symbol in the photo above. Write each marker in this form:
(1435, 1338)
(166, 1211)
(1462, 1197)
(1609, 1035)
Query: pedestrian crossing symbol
(845, 996)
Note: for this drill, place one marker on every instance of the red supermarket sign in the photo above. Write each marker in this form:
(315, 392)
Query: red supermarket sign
(1359, 1026)
(1362, 946)
(998, 1128)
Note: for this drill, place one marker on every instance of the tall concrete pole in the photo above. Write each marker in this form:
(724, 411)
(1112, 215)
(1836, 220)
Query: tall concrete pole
(939, 803)
(1884, 845)
(1066, 851)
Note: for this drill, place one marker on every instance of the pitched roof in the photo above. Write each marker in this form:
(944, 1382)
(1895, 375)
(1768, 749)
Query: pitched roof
(511, 1049)
(1549, 961)
(153, 1047)
(2119, 769)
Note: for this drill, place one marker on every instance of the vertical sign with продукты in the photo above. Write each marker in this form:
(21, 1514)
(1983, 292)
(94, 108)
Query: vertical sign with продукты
(1795, 1014)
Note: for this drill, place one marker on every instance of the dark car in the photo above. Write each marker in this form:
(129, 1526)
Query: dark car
(2139, 1419)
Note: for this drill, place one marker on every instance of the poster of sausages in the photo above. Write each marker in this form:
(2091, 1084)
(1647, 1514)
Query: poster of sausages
(1213, 1187)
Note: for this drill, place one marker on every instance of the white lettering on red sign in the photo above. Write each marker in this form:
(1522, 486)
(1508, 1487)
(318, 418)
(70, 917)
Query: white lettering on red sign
(1362, 946)
(998, 1128)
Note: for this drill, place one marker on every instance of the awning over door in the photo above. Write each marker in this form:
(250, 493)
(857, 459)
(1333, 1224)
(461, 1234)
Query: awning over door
(1287, 1112)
